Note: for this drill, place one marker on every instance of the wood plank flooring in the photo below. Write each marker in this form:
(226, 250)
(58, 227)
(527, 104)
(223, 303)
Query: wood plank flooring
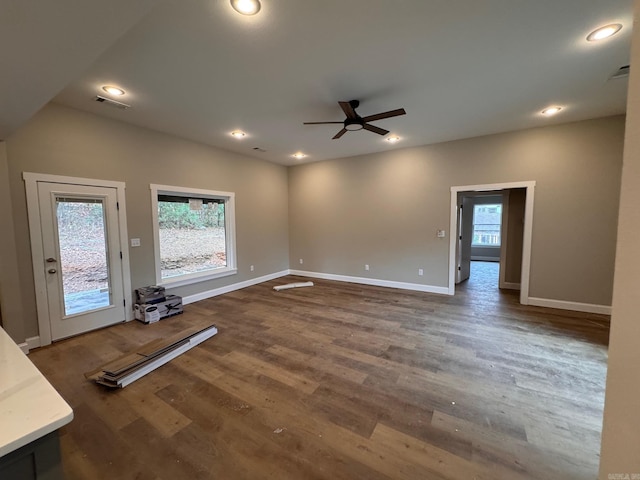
(344, 381)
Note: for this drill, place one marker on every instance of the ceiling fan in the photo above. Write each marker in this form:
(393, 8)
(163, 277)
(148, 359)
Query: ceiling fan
(356, 122)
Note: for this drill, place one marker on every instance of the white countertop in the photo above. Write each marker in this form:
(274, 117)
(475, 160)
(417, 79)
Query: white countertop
(30, 407)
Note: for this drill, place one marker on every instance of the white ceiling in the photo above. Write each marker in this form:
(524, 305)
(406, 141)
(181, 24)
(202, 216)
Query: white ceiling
(199, 70)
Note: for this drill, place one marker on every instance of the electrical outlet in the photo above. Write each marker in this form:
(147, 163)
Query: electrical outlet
(366, 267)
(251, 268)
(420, 272)
(301, 262)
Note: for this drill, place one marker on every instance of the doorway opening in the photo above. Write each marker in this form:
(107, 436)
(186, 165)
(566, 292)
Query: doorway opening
(482, 284)
(491, 227)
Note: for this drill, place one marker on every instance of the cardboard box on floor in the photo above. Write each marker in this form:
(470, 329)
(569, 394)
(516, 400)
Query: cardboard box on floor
(152, 312)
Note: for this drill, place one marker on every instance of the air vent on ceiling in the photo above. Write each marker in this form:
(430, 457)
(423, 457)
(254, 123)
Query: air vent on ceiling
(621, 73)
(113, 103)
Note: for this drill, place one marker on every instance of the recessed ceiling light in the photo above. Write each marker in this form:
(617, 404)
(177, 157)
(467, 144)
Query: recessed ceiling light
(550, 111)
(113, 90)
(298, 155)
(393, 139)
(238, 134)
(246, 7)
(604, 32)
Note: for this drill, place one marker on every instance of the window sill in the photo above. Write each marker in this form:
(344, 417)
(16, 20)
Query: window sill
(196, 278)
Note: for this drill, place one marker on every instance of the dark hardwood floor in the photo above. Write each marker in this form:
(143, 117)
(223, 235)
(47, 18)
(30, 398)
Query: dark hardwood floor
(344, 381)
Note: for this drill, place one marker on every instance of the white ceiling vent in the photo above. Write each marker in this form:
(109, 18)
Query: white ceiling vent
(621, 73)
(113, 103)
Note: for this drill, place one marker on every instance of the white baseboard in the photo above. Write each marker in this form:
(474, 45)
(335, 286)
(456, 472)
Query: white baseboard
(231, 288)
(34, 342)
(510, 286)
(575, 306)
(373, 281)
(29, 344)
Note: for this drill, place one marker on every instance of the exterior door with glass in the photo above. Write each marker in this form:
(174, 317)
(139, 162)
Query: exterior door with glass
(82, 257)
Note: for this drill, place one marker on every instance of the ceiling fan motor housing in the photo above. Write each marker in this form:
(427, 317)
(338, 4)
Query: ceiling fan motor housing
(353, 124)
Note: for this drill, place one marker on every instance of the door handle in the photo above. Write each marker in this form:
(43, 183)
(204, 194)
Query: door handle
(52, 270)
(51, 260)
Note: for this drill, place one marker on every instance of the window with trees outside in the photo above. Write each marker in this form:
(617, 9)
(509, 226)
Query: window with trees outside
(486, 225)
(194, 234)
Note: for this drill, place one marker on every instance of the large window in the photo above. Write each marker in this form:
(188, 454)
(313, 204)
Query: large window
(194, 234)
(486, 225)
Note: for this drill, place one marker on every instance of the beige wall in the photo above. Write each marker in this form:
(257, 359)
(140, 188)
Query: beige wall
(10, 294)
(64, 141)
(384, 209)
(515, 232)
(621, 429)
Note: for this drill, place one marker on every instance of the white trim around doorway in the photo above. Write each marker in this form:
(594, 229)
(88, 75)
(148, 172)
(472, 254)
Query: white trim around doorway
(528, 230)
(35, 231)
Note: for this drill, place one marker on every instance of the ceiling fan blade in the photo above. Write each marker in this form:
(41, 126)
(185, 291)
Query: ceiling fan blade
(319, 123)
(348, 110)
(389, 114)
(374, 129)
(340, 133)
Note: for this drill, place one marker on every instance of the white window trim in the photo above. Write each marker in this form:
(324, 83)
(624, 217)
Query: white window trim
(230, 234)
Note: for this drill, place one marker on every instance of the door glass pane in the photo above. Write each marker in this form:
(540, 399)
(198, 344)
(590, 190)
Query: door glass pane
(83, 254)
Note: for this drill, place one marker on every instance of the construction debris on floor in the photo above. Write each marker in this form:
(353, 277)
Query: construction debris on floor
(293, 285)
(129, 367)
(153, 304)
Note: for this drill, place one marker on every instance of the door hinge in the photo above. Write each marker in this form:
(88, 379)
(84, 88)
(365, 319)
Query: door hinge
(120, 255)
(117, 205)
(460, 237)
(459, 268)
(124, 302)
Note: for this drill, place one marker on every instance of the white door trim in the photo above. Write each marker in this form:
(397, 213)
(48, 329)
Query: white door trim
(528, 230)
(37, 254)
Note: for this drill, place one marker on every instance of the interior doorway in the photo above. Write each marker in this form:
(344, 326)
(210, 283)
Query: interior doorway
(515, 202)
(479, 231)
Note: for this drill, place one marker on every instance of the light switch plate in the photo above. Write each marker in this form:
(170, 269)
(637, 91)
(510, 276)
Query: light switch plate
(441, 233)
(135, 242)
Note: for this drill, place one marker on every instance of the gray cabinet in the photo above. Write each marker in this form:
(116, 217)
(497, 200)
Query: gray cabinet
(39, 459)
